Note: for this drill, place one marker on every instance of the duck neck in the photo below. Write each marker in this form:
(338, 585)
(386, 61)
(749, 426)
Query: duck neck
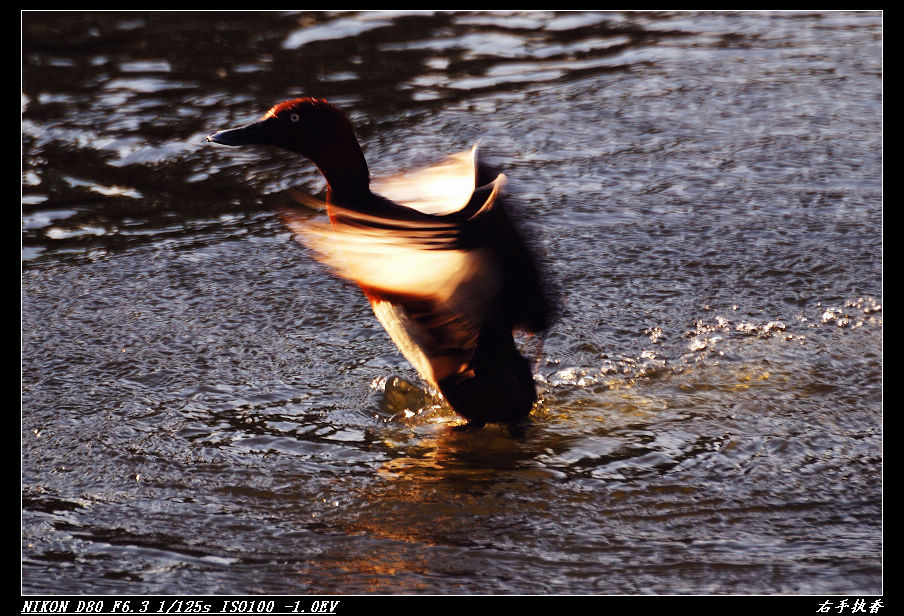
(347, 175)
(343, 187)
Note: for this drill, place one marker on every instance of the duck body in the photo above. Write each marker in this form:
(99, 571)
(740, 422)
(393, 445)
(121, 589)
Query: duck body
(450, 286)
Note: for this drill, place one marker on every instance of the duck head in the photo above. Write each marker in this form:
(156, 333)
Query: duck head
(313, 128)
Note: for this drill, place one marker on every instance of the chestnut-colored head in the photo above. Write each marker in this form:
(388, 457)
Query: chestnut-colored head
(313, 128)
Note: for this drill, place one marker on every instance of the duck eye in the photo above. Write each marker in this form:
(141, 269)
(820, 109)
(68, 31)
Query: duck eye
(294, 117)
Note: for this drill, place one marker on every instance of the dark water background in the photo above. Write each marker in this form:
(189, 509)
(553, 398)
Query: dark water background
(205, 410)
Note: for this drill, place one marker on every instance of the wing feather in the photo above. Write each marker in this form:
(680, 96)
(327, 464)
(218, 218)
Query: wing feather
(431, 279)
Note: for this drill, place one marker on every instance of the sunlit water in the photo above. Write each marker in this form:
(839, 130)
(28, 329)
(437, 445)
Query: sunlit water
(206, 410)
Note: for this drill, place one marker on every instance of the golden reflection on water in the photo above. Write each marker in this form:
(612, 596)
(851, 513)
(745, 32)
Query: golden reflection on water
(444, 475)
(374, 572)
(417, 504)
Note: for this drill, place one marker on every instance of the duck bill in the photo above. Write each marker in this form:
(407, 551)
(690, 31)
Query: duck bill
(252, 134)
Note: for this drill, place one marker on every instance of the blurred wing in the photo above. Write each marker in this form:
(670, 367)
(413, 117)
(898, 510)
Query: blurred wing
(393, 263)
(440, 189)
(430, 279)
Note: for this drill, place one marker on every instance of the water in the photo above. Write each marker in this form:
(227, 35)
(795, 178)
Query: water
(206, 410)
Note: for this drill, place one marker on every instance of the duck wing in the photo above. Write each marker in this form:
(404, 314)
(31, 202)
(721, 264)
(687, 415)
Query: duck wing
(435, 268)
(432, 282)
(440, 189)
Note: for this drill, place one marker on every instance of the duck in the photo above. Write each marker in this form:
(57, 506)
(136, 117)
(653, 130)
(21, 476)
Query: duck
(447, 270)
